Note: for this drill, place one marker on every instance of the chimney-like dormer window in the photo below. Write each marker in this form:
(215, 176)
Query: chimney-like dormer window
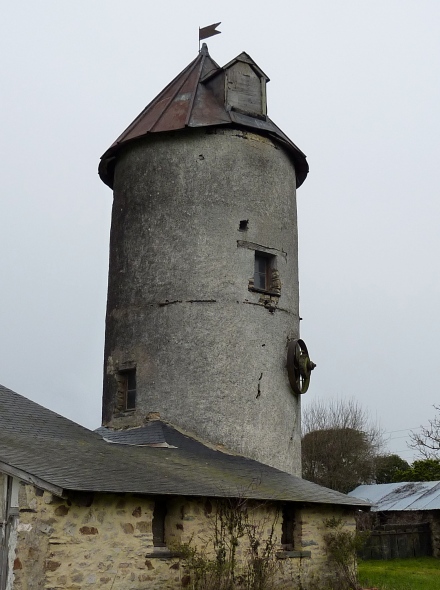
(245, 90)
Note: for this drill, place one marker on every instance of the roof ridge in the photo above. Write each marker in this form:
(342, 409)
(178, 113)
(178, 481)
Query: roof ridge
(189, 68)
(204, 54)
(201, 57)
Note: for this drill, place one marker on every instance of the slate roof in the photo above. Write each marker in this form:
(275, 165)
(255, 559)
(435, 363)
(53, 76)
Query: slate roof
(61, 453)
(420, 495)
(187, 101)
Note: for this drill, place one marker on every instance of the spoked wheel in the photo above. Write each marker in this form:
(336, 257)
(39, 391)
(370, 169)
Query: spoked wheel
(299, 366)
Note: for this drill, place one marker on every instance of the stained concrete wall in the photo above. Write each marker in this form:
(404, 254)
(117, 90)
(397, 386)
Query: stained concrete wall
(210, 354)
(83, 541)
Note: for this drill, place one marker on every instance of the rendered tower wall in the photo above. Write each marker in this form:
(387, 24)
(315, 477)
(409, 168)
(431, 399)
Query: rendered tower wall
(209, 353)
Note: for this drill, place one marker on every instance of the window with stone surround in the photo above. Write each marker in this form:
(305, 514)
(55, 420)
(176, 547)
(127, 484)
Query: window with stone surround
(291, 533)
(158, 524)
(262, 271)
(266, 278)
(288, 527)
(127, 388)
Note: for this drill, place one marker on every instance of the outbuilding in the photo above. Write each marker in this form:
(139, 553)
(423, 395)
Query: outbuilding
(404, 520)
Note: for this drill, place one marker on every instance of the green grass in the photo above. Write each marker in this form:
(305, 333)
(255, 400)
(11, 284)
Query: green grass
(422, 573)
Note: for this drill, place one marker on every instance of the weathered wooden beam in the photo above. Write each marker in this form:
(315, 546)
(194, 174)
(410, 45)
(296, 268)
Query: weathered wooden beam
(32, 479)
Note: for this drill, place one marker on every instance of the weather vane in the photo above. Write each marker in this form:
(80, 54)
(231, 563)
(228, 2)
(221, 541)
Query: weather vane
(208, 31)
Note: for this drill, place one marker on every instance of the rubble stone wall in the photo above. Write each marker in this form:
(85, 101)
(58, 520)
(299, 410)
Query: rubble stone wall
(87, 541)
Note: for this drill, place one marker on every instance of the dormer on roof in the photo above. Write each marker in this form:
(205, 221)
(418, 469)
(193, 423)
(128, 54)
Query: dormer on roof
(241, 85)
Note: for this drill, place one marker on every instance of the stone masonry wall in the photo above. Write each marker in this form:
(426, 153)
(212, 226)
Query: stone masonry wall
(88, 542)
(316, 572)
(105, 541)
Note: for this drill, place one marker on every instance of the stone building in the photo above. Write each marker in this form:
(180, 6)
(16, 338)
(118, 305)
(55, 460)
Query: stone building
(82, 509)
(203, 369)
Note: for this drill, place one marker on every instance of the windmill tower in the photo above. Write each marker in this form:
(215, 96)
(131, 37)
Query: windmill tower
(203, 304)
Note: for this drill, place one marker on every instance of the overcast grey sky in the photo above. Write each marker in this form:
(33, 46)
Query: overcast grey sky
(355, 84)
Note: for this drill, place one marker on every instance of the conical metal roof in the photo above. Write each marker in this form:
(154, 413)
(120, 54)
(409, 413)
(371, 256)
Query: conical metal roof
(190, 101)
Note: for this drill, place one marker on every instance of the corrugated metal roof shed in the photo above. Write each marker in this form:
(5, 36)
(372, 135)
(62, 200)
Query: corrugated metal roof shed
(421, 495)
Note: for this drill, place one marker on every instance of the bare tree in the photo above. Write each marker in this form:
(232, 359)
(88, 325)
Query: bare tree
(340, 444)
(427, 441)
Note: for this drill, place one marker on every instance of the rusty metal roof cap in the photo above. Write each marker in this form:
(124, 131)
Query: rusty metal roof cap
(189, 101)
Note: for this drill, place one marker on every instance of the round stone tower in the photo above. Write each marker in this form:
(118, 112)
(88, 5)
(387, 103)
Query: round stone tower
(203, 277)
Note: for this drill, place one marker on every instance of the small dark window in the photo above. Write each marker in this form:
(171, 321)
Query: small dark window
(244, 224)
(262, 271)
(288, 527)
(129, 386)
(158, 524)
